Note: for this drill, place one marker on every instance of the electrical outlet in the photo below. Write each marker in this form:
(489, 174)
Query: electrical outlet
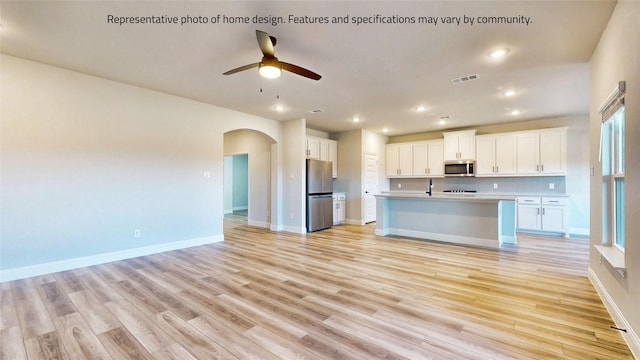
(495, 186)
(399, 186)
(136, 233)
(552, 186)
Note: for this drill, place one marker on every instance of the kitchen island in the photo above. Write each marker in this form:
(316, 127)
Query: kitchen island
(467, 219)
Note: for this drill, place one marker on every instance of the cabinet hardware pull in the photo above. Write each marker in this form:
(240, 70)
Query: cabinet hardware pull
(537, 167)
(542, 167)
(538, 211)
(497, 170)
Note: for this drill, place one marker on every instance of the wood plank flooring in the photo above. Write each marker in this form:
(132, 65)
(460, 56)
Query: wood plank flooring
(343, 293)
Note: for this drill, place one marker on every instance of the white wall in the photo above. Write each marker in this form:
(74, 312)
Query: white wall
(228, 185)
(349, 178)
(294, 176)
(85, 161)
(352, 146)
(617, 58)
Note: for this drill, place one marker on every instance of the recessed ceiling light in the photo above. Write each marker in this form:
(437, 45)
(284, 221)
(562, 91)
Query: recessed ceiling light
(496, 54)
(279, 108)
(442, 122)
(385, 130)
(356, 119)
(421, 109)
(509, 93)
(515, 112)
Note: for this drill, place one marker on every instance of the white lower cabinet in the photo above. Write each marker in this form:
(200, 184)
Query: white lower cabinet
(339, 203)
(547, 214)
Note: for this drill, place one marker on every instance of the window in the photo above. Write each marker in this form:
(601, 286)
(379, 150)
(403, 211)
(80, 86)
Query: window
(612, 157)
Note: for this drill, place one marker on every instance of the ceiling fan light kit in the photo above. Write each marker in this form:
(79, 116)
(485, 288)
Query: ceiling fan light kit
(270, 67)
(269, 71)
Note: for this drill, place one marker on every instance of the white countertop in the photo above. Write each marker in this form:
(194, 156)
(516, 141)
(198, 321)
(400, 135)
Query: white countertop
(446, 196)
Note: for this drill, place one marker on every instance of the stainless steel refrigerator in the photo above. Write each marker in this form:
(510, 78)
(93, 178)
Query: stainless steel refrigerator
(319, 195)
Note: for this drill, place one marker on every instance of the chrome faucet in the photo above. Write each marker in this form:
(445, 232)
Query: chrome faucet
(430, 187)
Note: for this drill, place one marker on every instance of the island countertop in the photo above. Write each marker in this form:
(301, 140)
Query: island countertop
(446, 196)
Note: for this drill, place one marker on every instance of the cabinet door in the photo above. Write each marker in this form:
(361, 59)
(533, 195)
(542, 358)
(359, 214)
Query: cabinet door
(553, 153)
(341, 211)
(554, 218)
(529, 217)
(391, 160)
(324, 149)
(485, 155)
(332, 147)
(467, 146)
(450, 147)
(405, 159)
(528, 153)
(420, 159)
(505, 151)
(436, 158)
(313, 148)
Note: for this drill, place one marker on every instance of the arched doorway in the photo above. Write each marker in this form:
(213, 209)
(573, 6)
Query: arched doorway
(257, 147)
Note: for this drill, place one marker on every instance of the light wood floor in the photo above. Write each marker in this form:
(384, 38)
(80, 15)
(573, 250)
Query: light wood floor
(340, 293)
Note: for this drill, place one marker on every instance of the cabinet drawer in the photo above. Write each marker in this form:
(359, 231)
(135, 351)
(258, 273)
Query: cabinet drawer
(555, 201)
(533, 200)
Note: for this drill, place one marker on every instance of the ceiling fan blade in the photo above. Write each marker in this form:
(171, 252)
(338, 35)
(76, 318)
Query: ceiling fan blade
(241, 68)
(299, 70)
(265, 43)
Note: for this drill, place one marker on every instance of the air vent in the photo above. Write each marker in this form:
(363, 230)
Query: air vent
(316, 111)
(465, 78)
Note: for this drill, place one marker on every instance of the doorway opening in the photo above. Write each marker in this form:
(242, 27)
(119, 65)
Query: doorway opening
(236, 185)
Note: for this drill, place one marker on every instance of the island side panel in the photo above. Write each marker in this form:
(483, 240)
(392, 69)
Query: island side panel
(507, 220)
(382, 216)
(461, 221)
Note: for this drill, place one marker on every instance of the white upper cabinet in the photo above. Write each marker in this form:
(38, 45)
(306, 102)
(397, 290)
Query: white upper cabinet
(415, 159)
(323, 149)
(542, 152)
(428, 158)
(399, 160)
(460, 145)
(313, 148)
(496, 155)
(522, 153)
(553, 152)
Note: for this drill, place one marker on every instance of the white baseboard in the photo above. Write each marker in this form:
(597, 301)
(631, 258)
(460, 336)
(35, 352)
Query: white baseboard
(227, 211)
(69, 264)
(293, 229)
(456, 239)
(236, 208)
(354, 221)
(631, 337)
(261, 224)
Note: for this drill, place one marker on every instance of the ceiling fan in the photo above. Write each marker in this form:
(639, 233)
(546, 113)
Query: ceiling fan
(270, 66)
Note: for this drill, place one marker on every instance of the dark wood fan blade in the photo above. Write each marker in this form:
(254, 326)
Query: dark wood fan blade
(264, 41)
(241, 68)
(300, 71)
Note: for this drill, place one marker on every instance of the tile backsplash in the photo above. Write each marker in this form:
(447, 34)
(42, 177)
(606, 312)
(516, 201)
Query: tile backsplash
(505, 185)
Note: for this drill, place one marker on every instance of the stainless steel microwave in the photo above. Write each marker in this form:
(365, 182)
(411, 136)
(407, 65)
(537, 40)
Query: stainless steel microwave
(459, 168)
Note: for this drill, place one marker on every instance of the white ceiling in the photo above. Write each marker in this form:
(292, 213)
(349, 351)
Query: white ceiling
(377, 72)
